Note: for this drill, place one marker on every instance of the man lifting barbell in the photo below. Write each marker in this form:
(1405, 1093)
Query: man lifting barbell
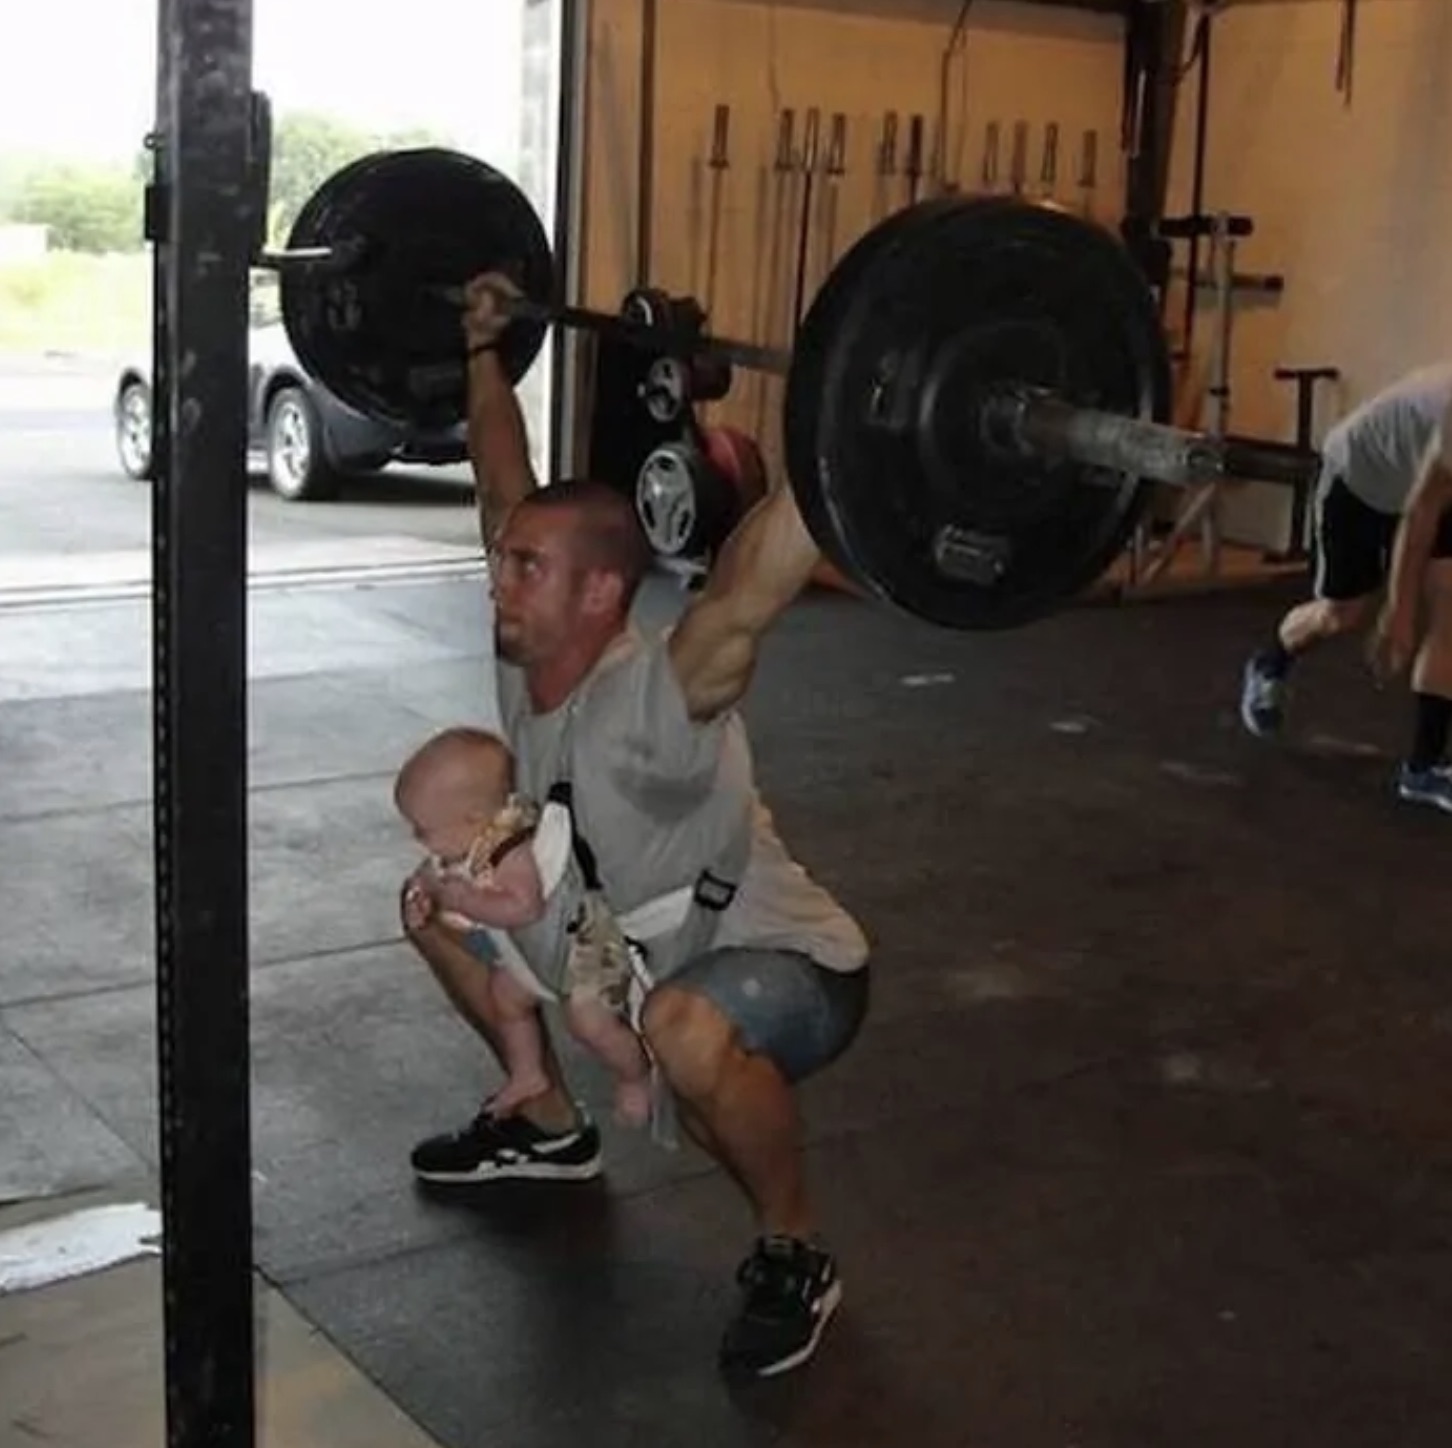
(1380, 519)
(974, 412)
(762, 979)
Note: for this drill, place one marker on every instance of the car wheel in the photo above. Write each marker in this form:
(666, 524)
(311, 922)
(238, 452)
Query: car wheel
(133, 430)
(297, 466)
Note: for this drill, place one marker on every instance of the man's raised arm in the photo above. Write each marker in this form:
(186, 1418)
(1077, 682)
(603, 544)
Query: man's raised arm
(498, 443)
(764, 565)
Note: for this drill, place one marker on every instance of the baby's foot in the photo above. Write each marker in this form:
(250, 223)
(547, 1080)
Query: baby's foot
(632, 1103)
(516, 1092)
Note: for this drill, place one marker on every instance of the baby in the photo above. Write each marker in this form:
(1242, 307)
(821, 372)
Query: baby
(458, 794)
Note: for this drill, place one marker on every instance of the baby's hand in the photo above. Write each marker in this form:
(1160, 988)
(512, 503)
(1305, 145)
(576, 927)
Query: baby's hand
(418, 903)
(454, 894)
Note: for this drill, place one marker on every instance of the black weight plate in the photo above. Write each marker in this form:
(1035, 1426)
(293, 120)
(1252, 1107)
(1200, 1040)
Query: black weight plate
(383, 333)
(947, 299)
(800, 402)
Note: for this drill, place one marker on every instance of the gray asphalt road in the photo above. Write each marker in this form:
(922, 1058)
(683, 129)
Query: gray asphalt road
(62, 492)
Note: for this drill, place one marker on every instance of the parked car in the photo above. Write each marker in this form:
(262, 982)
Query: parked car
(307, 438)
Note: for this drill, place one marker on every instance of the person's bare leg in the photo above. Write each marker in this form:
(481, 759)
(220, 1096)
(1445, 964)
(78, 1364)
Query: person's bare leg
(465, 981)
(746, 1106)
(598, 1028)
(1432, 667)
(1321, 619)
(699, 1131)
(521, 1045)
(1423, 777)
(1265, 678)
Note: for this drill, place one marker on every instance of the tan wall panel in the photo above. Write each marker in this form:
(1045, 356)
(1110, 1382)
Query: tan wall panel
(1352, 203)
(1021, 63)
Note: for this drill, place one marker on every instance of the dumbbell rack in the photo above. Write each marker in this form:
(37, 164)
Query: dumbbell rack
(647, 437)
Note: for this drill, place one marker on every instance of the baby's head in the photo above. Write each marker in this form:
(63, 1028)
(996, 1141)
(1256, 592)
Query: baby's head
(452, 786)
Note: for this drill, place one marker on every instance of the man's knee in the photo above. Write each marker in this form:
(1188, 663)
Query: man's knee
(688, 1036)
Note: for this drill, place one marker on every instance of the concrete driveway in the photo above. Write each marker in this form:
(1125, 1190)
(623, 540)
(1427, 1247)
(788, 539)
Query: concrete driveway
(72, 524)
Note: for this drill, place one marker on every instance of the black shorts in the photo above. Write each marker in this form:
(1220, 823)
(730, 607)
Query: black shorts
(1353, 543)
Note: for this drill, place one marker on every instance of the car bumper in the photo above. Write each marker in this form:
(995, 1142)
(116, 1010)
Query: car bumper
(434, 448)
(353, 438)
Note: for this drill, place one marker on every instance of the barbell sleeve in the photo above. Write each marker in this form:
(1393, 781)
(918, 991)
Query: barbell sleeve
(1045, 427)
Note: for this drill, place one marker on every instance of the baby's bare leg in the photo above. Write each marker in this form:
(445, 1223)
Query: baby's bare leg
(521, 1044)
(598, 1028)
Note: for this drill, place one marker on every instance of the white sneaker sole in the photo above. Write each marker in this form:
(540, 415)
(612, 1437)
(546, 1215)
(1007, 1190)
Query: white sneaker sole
(530, 1171)
(1435, 801)
(1260, 731)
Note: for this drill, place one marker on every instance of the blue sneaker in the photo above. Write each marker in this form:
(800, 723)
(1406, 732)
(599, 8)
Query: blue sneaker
(1426, 786)
(1262, 699)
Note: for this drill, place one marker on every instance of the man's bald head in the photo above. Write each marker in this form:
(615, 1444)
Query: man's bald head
(605, 532)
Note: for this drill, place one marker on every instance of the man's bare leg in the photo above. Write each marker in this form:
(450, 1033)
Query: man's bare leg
(742, 1111)
(737, 1106)
(699, 1132)
(466, 982)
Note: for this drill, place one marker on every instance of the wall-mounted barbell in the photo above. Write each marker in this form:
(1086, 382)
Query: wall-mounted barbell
(974, 408)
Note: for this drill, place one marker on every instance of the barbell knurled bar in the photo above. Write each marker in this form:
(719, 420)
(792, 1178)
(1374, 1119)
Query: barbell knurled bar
(666, 341)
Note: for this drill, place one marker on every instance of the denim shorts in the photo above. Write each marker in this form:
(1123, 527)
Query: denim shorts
(785, 1006)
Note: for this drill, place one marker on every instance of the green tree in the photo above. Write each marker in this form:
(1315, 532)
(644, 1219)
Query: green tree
(91, 208)
(88, 208)
(308, 148)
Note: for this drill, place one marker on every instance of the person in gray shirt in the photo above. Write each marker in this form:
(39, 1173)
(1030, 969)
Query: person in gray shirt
(1394, 447)
(758, 977)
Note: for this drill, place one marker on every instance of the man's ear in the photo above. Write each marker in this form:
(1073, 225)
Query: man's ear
(603, 592)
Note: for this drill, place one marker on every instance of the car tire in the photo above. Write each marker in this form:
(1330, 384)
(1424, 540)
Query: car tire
(298, 468)
(133, 431)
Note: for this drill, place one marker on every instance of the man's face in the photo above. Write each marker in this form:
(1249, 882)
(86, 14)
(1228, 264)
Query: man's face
(540, 590)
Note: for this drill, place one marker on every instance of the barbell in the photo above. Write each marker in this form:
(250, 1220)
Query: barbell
(975, 408)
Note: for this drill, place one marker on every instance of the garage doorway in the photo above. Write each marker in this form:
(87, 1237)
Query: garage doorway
(483, 76)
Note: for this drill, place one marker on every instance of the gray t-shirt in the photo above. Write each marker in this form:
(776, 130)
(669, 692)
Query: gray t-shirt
(660, 798)
(1378, 448)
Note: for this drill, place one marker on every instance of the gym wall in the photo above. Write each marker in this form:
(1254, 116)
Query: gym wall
(1351, 202)
(1021, 62)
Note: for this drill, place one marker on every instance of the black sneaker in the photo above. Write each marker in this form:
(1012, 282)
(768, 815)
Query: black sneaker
(510, 1150)
(790, 1290)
